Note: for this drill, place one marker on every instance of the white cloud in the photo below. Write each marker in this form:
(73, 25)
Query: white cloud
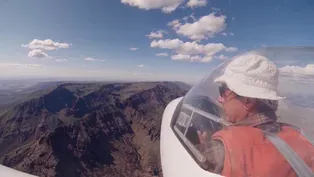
(167, 44)
(162, 54)
(228, 34)
(308, 70)
(206, 26)
(194, 58)
(191, 47)
(166, 6)
(93, 59)
(37, 48)
(181, 57)
(192, 51)
(141, 66)
(157, 34)
(37, 53)
(47, 44)
(207, 59)
(170, 8)
(19, 65)
(231, 49)
(61, 60)
(185, 19)
(193, 17)
(223, 57)
(197, 3)
(175, 24)
(133, 48)
(195, 48)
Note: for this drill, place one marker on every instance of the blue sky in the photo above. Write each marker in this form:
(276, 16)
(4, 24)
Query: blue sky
(105, 31)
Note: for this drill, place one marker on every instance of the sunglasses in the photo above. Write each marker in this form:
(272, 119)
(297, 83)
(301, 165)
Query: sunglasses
(222, 90)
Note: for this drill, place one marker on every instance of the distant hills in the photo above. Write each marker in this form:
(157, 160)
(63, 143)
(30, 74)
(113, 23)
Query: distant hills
(87, 129)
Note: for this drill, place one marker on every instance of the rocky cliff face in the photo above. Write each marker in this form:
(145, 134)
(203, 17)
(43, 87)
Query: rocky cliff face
(88, 130)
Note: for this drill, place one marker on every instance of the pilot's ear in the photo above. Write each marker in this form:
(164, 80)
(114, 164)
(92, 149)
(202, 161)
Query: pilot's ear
(249, 103)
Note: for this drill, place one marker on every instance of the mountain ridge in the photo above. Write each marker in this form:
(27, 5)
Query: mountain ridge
(88, 130)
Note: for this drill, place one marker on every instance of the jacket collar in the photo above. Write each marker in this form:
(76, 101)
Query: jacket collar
(258, 119)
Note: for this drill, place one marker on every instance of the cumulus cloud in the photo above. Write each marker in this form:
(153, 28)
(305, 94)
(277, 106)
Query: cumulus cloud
(19, 65)
(180, 57)
(231, 49)
(197, 3)
(308, 70)
(195, 48)
(166, 6)
(133, 48)
(157, 34)
(193, 58)
(38, 48)
(206, 26)
(170, 8)
(93, 59)
(61, 60)
(37, 53)
(47, 44)
(192, 51)
(191, 47)
(167, 44)
(175, 24)
(206, 59)
(162, 54)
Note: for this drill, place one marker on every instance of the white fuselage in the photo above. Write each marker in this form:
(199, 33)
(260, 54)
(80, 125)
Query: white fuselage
(175, 160)
(10, 172)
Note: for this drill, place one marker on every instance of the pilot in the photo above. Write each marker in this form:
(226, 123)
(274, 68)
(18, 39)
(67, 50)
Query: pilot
(255, 144)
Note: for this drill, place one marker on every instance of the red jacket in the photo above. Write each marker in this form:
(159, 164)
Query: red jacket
(249, 153)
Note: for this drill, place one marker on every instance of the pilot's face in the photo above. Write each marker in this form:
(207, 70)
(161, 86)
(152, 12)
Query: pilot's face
(233, 107)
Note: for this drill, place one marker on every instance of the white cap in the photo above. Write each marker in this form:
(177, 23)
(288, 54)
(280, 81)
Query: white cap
(252, 75)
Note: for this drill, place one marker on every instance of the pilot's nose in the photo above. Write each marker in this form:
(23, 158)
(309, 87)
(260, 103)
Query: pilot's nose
(221, 99)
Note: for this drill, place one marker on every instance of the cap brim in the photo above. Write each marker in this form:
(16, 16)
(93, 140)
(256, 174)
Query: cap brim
(220, 79)
(248, 90)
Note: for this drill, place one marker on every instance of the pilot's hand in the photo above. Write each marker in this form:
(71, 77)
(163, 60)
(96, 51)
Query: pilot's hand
(202, 136)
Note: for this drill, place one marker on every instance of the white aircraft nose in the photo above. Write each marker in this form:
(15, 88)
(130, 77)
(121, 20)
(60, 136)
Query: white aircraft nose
(9, 172)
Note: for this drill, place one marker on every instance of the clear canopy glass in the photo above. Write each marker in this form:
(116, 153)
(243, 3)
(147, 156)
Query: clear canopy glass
(201, 112)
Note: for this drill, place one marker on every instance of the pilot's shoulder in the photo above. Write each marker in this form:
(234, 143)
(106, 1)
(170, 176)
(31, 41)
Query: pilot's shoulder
(235, 129)
(236, 133)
